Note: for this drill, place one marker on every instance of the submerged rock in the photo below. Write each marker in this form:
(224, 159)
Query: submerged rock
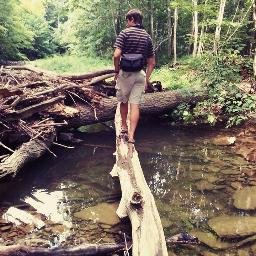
(204, 185)
(102, 213)
(208, 253)
(248, 152)
(224, 140)
(245, 198)
(236, 185)
(249, 172)
(233, 226)
(243, 252)
(230, 171)
(210, 240)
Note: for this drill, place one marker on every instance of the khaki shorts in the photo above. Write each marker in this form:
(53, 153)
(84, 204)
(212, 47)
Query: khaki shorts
(130, 86)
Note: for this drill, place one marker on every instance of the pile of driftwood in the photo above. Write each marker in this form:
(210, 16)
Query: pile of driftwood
(35, 105)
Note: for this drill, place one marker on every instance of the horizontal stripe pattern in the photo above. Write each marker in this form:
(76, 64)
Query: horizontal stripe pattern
(135, 40)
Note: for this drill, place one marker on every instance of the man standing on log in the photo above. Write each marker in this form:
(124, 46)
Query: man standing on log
(133, 51)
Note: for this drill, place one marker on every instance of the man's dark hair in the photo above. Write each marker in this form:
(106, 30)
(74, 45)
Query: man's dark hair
(136, 15)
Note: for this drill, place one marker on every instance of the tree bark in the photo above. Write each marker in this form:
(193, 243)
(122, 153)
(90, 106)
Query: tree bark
(137, 201)
(218, 26)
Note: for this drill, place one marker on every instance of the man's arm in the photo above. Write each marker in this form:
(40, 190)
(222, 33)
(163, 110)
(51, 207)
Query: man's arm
(151, 62)
(116, 58)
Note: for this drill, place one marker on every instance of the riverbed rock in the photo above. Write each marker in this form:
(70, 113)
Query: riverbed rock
(243, 252)
(229, 171)
(249, 153)
(233, 226)
(249, 172)
(101, 213)
(210, 240)
(245, 198)
(224, 140)
(208, 253)
(236, 185)
(204, 185)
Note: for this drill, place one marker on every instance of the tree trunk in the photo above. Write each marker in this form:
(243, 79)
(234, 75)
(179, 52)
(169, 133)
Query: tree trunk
(202, 32)
(254, 18)
(169, 25)
(153, 103)
(151, 19)
(195, 26)
(234, 16)
(218, 26)
(175, 36)
(137, 201)
(200, 44)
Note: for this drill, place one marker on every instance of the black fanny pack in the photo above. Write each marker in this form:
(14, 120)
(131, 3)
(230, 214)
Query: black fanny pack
(132, 62)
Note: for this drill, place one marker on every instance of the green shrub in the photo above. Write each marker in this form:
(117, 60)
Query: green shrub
(220, 75)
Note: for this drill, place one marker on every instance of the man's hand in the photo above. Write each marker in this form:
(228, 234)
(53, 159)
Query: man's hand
(147, 84)
(150, 66)
(116, 76)
(116, 58)
(149, 87)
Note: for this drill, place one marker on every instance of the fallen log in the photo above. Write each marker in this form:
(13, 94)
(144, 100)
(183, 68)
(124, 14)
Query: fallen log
(153, 103)
(29, 151)
(88, 75)
(84, 249)
(137, 201)
(100, 78)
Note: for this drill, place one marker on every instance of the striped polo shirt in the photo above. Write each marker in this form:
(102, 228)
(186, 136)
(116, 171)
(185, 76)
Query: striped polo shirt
(135, 40)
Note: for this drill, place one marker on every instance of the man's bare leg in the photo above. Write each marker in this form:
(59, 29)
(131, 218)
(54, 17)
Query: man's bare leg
(124, 113)
(134, 118)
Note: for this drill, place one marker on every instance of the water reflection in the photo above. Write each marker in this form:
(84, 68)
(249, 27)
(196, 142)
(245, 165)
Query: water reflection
(51, 205)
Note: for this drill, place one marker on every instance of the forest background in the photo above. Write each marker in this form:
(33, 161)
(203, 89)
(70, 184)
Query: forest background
(200, 45)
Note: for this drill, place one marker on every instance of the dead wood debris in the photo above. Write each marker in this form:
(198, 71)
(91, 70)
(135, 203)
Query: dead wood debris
(35, 103)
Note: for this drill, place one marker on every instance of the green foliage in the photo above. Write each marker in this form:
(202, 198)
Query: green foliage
(183, 113)
(14, 35)
(43, 41)
(226, 102)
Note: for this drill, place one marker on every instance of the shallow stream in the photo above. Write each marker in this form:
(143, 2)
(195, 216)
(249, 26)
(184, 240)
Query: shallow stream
(189, 176)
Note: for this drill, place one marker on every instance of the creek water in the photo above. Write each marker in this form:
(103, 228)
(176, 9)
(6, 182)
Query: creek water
(176, 164)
